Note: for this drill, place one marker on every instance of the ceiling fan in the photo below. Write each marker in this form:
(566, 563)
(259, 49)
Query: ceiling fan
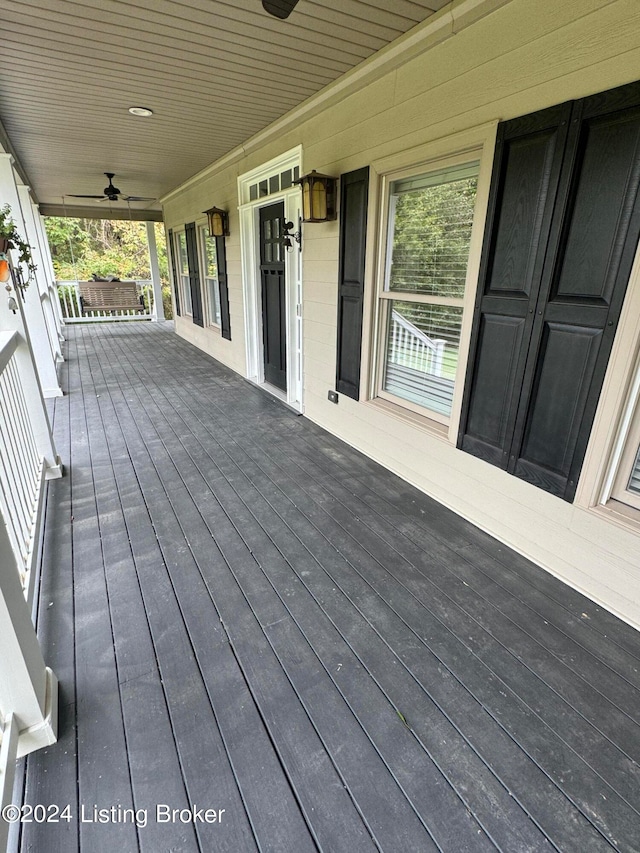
(280, 8)
(112, 193)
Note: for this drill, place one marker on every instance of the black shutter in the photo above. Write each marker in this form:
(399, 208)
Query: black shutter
(176, 285)
(526, 172)
(535, 378)
(225, 319)
(194, 273)
(354, 191)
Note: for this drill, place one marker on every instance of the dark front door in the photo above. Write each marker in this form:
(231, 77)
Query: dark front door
(274, 330)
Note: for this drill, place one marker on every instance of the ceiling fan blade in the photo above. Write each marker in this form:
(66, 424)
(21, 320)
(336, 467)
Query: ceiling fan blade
(280, 8)
(112, 193)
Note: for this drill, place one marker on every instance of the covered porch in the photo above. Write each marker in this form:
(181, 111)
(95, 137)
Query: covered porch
(248, 616)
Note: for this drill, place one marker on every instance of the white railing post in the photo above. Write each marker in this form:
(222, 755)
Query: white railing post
(158, 307)
(8, 753)
(28, 688)
(438, 356)
(76, 306)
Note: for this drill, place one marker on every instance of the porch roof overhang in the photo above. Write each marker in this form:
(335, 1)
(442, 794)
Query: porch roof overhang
(214, 72)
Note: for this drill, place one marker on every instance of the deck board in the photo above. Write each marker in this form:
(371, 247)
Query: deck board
(186, 518)
(267, 621)
(201, 744)
(153, 763)
(323, 792)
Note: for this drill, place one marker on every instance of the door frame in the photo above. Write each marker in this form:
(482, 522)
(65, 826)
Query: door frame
(252, 285)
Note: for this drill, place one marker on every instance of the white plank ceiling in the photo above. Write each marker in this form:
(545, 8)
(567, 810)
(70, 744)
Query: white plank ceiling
(214, 72)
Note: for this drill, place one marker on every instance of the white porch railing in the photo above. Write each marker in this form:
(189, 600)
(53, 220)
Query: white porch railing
(21, 466)
(73, 312)
(28, 688)
(410, 347)
(415, 367)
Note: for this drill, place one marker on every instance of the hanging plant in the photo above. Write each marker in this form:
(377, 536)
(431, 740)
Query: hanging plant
(10, 239)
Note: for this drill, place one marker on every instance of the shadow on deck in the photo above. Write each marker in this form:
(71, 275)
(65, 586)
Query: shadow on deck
(247, 615)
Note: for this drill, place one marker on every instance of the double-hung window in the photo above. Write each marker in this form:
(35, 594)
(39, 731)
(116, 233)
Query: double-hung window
(429, 222)
(209, 266)
(627, 485)
(624, 486)
(183, 271)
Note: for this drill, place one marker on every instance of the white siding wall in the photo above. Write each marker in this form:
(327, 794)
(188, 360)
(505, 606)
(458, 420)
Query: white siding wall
(521, 57)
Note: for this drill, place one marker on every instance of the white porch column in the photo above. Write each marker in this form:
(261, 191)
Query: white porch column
(41, 275)
(47, 266)
(28, 689)
(158, 307)
(34, 315)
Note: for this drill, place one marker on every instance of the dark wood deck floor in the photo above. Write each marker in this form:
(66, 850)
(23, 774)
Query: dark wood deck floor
(246, 614)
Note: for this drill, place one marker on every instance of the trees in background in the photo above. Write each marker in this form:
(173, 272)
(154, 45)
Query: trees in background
(81, 248)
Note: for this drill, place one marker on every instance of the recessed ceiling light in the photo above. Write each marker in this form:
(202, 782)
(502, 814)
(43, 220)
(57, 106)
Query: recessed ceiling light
(140, 111)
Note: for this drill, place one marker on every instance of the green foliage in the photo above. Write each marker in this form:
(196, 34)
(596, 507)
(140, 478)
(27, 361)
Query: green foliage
(432, 229)
(430, 252)
(67, 240)
(81, 248)
(9, 231)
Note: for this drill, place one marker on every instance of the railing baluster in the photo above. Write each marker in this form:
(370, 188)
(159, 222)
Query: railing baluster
(29, 443)
(16, 471)
(10, 510)
(69, 295)
(20, 462)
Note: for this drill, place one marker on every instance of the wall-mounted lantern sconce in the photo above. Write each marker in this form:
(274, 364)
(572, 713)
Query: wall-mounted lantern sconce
(218, 222)
(318, 197)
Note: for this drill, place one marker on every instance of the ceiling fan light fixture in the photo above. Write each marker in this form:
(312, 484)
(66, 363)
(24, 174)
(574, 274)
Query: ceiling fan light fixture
(279, 8)
(111, 192)
(140, 111)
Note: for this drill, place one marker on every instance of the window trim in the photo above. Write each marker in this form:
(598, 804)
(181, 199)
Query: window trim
(619, 491)
(203, 236)
(185, 286)
(614, 495)
(618, 406)
(476, 145)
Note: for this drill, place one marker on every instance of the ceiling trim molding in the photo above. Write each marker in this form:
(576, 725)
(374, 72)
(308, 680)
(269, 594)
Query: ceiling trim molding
(7, 147)
(445, 24)
(79, 212)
